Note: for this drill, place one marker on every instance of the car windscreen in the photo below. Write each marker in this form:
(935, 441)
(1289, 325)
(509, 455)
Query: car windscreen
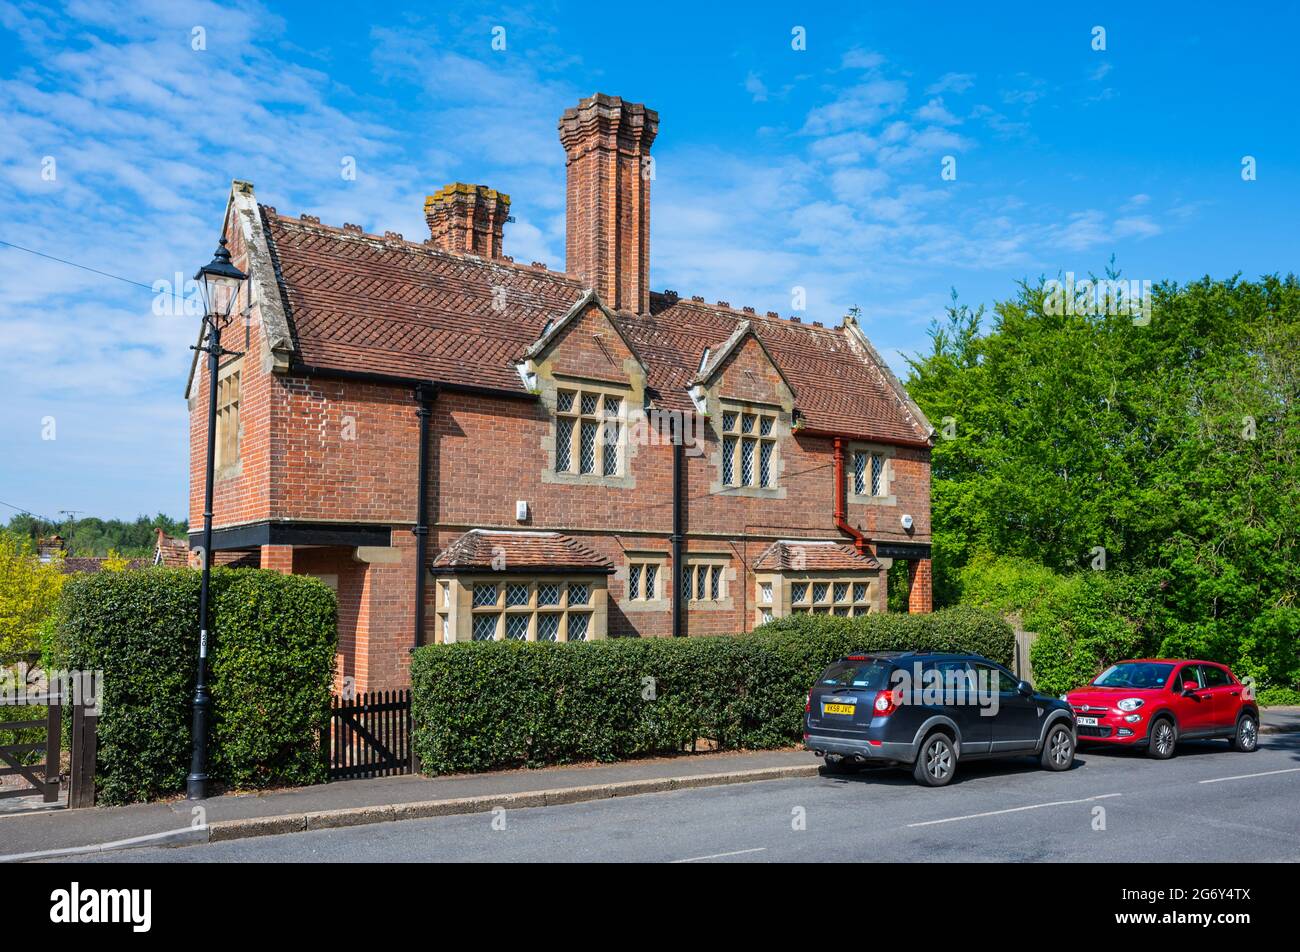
(871, 674)
(1140, 674)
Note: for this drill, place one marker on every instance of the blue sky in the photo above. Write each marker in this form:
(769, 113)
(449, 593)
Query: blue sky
(775, 168)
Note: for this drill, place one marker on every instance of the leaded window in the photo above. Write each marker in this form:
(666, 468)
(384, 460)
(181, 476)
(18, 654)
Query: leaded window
(523, 611)
(869, 473)
(704, 582)
(227, 442)
(642, 581)
(548, 627)
(847, 598)
(485, 627)
(517, 626)
(588, 432)
(748, 449)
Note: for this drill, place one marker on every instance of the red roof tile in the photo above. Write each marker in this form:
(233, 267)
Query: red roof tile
(797, 556)
(381, 305)
(519, 551)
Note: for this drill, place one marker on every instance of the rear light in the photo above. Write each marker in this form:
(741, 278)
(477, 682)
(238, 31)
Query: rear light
(884, 704)
(857, 657)
(807, 703)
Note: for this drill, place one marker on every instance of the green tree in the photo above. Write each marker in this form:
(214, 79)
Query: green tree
(1165, 451)
(29, 591)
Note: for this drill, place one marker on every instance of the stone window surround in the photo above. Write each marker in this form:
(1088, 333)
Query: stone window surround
(223, 468)
(549, 396)
(454, 608)
(724, 560)
(887, 498)
(781, 582)
(782, 428)
(663, 581)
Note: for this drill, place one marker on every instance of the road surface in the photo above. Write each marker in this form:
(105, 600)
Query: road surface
(1208, 803)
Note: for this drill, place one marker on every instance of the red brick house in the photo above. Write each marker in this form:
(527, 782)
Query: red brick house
(467, 447)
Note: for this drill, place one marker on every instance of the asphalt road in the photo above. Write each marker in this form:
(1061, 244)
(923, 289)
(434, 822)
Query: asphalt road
(1208, 803)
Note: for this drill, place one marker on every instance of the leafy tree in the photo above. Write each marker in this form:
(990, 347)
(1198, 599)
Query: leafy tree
(1165, 452)
(29, 591)
(97, 537)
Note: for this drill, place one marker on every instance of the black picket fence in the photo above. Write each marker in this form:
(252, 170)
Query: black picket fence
(369, 735)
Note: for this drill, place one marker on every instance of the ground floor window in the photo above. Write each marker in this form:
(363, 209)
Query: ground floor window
(847, 595)
(521, 609)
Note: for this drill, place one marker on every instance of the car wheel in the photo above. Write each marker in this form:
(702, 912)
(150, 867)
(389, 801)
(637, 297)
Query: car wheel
(1246, 739)
(936, 762)
(1058, 749)
(1164, 737)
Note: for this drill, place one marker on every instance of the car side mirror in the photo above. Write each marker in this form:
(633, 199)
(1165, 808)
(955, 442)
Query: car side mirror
(1190, 687)
(1025, 688)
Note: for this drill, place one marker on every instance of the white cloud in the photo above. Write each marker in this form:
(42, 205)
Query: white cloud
(951, 82)
(858, 107)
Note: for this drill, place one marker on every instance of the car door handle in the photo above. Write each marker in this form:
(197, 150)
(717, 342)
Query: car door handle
(1235, 693)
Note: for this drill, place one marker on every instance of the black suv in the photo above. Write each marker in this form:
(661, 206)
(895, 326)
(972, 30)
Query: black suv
(927, 711)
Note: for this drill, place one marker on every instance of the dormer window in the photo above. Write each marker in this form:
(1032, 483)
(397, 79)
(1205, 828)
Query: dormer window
(588, 432)
(749, 448)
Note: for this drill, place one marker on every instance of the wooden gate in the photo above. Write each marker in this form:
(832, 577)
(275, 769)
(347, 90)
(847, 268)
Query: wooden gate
(36, 761)
(368, 735)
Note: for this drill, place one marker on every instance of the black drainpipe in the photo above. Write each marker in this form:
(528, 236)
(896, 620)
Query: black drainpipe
(679, 453)
(425, 394)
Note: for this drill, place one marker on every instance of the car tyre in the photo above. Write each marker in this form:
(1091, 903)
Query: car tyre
(936, 761)
(1246, 738)
(1164, 738)
(1058, 749)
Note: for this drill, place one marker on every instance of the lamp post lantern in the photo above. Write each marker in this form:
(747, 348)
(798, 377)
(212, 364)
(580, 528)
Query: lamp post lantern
(219, 283)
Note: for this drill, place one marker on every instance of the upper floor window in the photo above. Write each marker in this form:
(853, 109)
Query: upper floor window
(587, 432)
(869, 474)
(748, 448)
(227, 445)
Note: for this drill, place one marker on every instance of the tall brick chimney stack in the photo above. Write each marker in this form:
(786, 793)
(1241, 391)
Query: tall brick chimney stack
(607, 227)
(467, 218)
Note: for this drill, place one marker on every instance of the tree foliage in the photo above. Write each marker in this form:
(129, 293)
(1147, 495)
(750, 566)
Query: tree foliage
(29, 592)
(1164, 451)
(92, 537)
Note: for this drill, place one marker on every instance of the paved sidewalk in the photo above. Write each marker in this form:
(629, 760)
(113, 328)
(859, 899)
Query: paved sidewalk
(352, 802)
(356, 802)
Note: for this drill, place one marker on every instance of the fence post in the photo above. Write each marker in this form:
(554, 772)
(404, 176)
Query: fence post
(85, 746)
(53, 748)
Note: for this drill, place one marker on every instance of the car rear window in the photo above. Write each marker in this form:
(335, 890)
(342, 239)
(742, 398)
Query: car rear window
(871, 674)
(1139, 674)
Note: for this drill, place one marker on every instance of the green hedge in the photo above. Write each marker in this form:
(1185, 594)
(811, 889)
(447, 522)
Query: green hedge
(271, 673)
(494, 705)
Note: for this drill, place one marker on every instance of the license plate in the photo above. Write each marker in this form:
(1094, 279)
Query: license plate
(1087, 721)
(839, 709)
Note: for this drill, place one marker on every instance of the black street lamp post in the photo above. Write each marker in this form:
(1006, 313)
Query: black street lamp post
(219, 284)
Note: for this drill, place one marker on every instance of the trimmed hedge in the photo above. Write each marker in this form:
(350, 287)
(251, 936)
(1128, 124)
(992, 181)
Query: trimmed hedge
(494, 705)
(271, 674)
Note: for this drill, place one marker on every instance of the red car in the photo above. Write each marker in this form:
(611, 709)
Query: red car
(1153, 703)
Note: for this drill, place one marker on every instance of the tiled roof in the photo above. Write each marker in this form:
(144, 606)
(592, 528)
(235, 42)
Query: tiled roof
(796, 556)
(519, 551)
(360, 302)
(75, 565)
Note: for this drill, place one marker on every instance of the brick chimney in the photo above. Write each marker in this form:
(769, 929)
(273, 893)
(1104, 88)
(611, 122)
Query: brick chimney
(467, 218)
(607, 227)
